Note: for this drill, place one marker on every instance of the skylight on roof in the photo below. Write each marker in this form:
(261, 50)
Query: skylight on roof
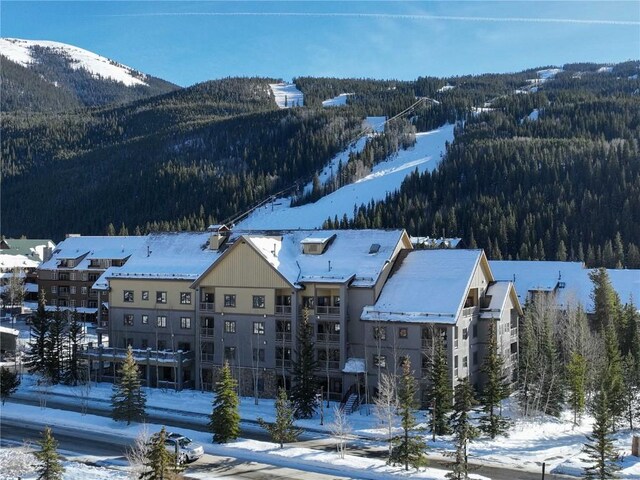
(375, 248)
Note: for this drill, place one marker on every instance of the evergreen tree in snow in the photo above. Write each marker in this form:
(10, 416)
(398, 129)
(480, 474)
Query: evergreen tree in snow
(440, 389)
(224, 420)
(408, 447)
(576, 381)
(494, 391)
(305, 384)
(54, 347)
(50, 467)
(283, 429)
(631, 397)
(35, 358)
(128, 401)
(612, 377)
(9, 383)
(160, 463)
(600, 448)
(462, 428)
(74, 373)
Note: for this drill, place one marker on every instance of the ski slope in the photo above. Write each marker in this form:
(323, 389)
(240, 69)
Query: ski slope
(287, 95)
(338, 101)
(386, 177)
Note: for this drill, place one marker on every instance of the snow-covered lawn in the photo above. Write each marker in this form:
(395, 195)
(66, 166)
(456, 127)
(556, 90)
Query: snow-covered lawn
(386, 177)
(531, 441)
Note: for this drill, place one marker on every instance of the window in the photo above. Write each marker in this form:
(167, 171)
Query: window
(145, 343)
(230, 301)
(184, 346)
(92, 304)
(465, 362)
(403, 332)
(128, 296)
(283, 300)
(161, 345)
(83, 290)
(229, 326)
(161, 297)
(145, 319)
(54, 302)
(465, 333)
(128, 319)
(72, 303)
(380, 333)
(64, 276)
(83, 303)
(185, 322)
(307, 302)
(475, 330)
(323, 301)
(455, 337)
(162, 321)
(283, 353)
(54, 289)
(336, 301)
(258, 301)
(229, 353)
(145, 295)
(258, 354)
(185, 298)
(72, 289)
(258, 328)
(84, 276)
(380, 361)
(93, 277)
(72, 276)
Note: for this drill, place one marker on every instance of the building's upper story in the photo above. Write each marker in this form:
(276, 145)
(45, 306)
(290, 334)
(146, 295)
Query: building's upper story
(566, 282)
(37, 250)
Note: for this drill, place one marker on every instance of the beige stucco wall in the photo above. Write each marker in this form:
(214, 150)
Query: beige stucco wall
(172, 287)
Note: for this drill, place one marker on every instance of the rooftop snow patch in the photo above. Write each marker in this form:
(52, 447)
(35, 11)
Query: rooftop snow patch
(338, 101)
(20, 51)
(429, 286)
(287, 95)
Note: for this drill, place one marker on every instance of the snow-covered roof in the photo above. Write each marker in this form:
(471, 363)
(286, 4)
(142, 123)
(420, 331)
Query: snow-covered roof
(570, 280)
(92, 248)
(179, 256)
(10, 331)
(346, 259)
(354, 365)
(86, 310)
(429, 286)
(441, 242)
(31, 248)
(499, 292)
(9, 262)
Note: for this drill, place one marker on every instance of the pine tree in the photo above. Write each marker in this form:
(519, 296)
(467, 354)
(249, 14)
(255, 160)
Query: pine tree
(552, 379)
(462, 428)
(160, 463)
(576, 381)
(74, 373)
(224, 421)
(39, 331)
(495, 390)
(283, 429)
(9, 383)
(53, 347)
(440, 393)
(613, 378)
(50, 467)
(305, 384)
(605, 300)
(408, 448)
(128, 399)
(631, 397)
(600, 448)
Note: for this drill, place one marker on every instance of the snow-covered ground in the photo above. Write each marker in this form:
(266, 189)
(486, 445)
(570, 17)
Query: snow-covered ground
(548, 73)
(605, 70)
(287, 95)
(530, 442)
(386, 177)
(338, 101)
(19, 51)
(445, 88)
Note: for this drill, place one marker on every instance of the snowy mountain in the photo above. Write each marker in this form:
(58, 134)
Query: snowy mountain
(46, 75)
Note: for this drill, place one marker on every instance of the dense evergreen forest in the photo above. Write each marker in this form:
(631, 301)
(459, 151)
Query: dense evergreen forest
(538, 169)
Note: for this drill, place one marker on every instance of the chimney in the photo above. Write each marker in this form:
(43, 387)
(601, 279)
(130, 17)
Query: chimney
(219, 235)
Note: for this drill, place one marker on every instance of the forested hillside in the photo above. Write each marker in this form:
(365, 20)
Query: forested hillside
(553, 174)
(545, 163)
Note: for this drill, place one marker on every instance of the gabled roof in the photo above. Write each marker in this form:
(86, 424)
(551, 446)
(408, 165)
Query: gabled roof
(92, 248)
(568, 280)
(346, 260)
(168, 256)
(29, 247)
(499, 292)
(429, 286)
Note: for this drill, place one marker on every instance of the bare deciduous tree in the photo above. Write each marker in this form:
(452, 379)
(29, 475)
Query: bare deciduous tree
(137, 453)
(387, 405)
(340, 429)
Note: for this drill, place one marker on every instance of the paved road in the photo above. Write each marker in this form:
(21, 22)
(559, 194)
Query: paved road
(309, 440)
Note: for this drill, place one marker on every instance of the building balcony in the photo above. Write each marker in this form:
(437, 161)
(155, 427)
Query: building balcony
(283, 337)
(328, 337)
(326, 310)
(207, 358)
(207, 306)
(283, 363)
(206, 332)
(142, 357)
(283, 310)
(469, 311)
(331, 365)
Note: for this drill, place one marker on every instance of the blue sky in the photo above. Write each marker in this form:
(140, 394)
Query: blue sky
(189, 42)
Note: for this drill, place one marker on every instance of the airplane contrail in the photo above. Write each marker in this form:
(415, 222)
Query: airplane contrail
(385, 16)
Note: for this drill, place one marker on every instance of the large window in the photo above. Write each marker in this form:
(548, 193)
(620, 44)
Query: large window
(403, 332)
(128, 296)
(230, 301)
(128, 319)
(258, 328)
(185, 298)
(161, 297)
(380, 361)
(162, 321)
(258, 354)
(145, 319)
(380, 333)
(185, 322)
(258, 301)
(229, 326)
(145, 295)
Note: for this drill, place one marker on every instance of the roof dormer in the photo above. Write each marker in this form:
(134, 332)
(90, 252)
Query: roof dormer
(316, 245)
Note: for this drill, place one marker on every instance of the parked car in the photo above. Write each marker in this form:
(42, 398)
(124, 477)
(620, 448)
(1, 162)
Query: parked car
(187, 450)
